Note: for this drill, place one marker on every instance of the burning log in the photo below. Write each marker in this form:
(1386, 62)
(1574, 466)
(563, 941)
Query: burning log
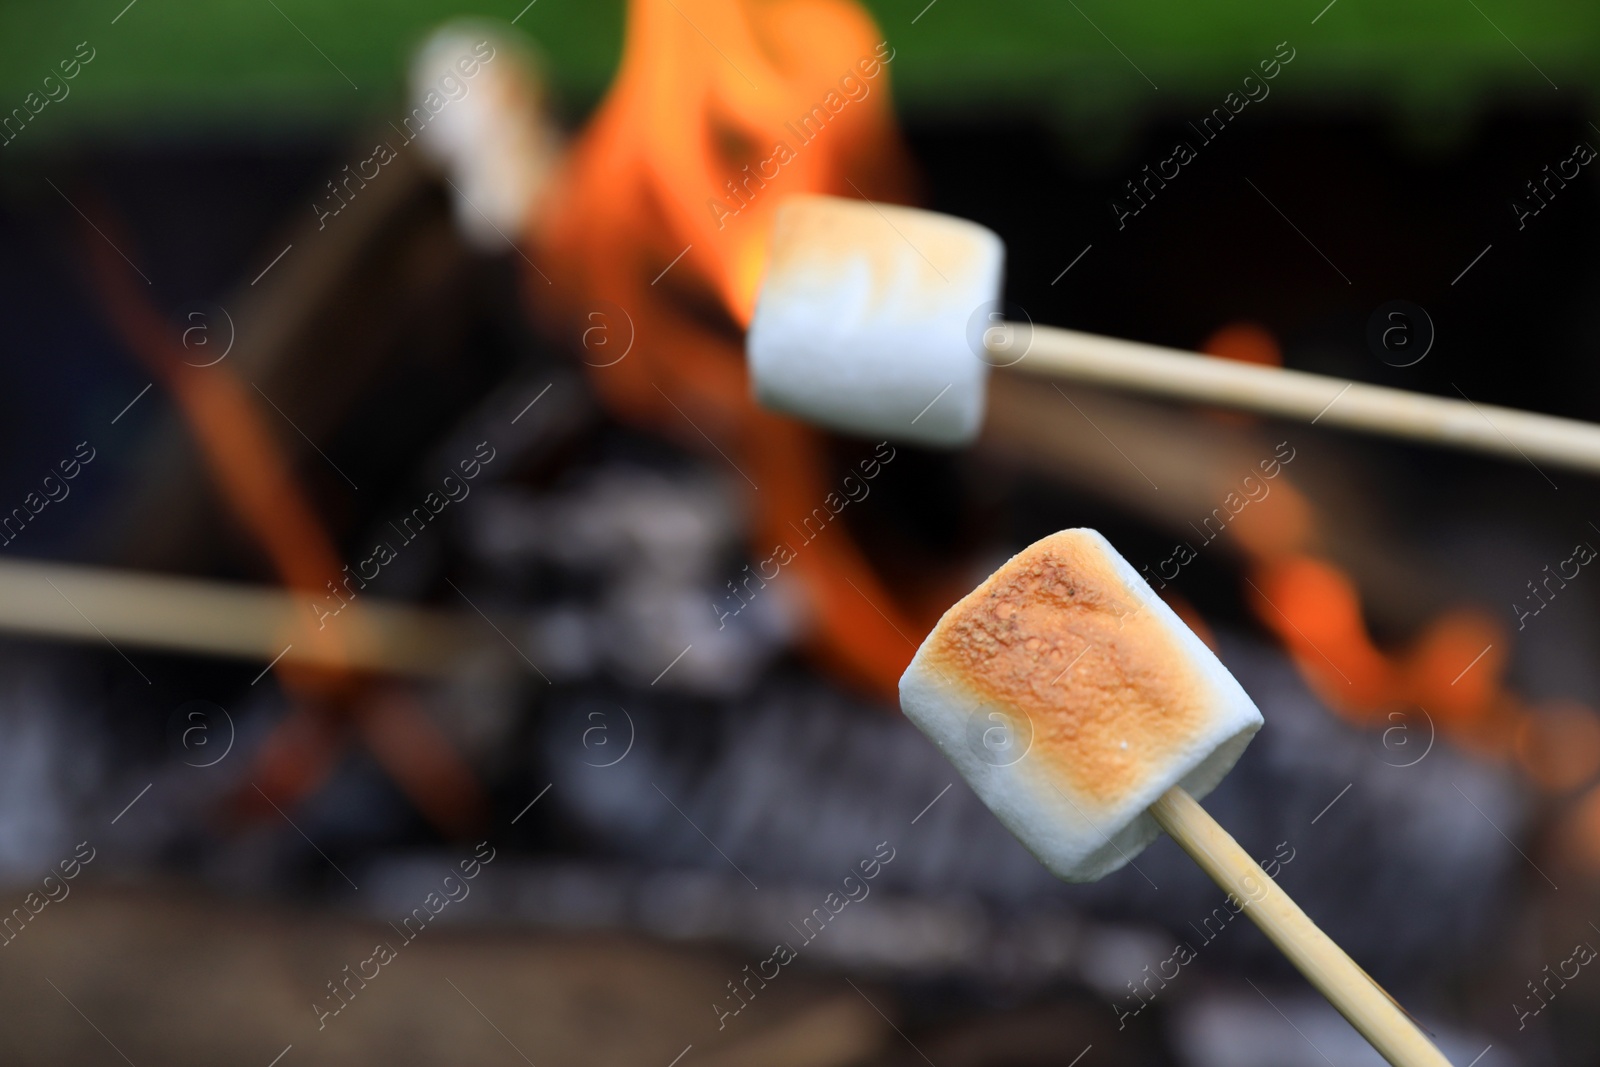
(262, 494)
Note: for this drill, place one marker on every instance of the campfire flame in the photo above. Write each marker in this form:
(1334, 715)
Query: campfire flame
(719, 110)
(722, 108)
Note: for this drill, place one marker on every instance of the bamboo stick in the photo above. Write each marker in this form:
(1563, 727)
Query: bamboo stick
(1316, 398)
(1348, 988)
(225, 619)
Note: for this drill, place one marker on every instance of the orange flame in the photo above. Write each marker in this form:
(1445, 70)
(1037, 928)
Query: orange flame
(721, 108)
(1453, 669)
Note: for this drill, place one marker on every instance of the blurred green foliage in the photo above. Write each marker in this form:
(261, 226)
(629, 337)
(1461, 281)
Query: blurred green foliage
(180, 67)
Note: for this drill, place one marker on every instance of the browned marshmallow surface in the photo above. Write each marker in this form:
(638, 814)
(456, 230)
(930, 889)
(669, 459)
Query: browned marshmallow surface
(1111, 694)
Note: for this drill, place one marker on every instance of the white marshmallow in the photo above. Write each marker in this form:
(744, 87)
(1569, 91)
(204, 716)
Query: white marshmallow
(862, 319)
(1070, 698)
(492, 131)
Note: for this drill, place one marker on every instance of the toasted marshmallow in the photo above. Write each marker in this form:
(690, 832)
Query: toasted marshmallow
(862, 319)
(1070, 698)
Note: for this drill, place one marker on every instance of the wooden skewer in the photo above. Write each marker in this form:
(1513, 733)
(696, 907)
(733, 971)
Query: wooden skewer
(1348, 988)
(1108, 361)
(223, 619)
